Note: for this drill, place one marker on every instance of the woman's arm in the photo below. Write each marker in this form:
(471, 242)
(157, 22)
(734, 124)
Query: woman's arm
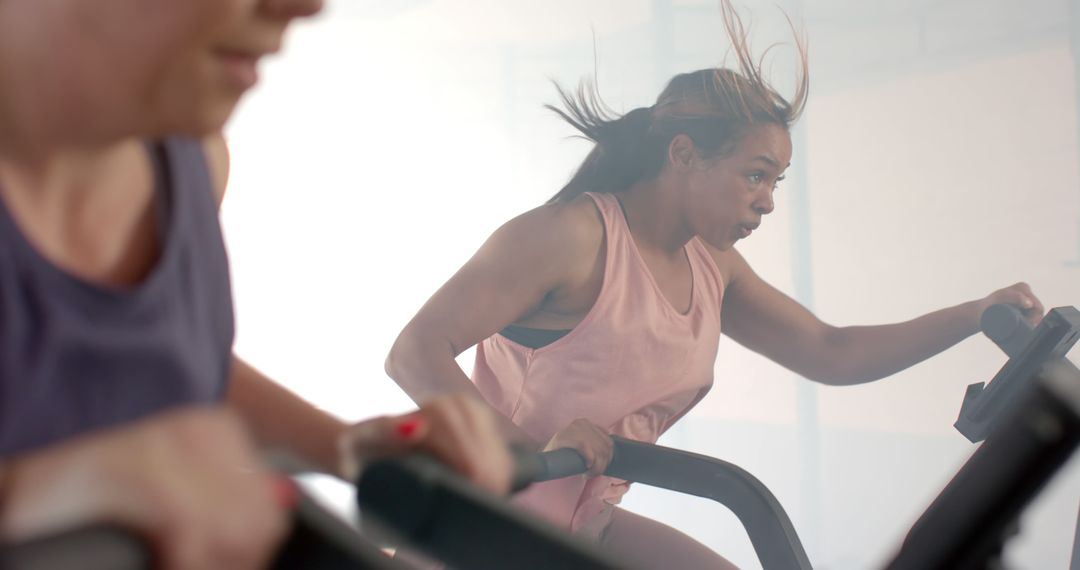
(188, 481)
(768, 322)
(456, 430)
(521, 265)
(279, 419)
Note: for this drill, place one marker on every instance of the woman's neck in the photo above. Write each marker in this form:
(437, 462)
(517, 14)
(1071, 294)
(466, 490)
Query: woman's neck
(61, 182)
(654, 217)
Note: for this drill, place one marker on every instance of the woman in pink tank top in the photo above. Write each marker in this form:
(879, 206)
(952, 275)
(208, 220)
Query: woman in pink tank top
(599, 312)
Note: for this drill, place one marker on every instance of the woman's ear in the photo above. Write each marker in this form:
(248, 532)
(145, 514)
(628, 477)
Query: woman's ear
(681, 152)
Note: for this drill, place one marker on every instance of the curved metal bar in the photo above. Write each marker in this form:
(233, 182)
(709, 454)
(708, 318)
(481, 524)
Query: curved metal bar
(770, 529)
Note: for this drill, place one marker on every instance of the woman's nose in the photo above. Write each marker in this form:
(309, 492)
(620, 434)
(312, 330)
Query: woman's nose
(764, 204)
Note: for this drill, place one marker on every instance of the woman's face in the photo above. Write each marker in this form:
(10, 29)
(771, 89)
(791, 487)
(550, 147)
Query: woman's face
(138, 66)
(727, 197)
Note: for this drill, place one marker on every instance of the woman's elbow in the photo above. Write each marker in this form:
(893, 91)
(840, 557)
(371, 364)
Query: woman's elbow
(415, 349)
(389, 366)
(401, 352)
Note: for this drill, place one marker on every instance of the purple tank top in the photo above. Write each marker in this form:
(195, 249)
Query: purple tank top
(76, 356)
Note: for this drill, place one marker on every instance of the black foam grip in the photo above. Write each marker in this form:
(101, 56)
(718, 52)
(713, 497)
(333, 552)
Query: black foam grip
(560, 463)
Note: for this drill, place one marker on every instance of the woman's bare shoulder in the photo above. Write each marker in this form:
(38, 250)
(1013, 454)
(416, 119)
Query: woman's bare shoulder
(569, 227)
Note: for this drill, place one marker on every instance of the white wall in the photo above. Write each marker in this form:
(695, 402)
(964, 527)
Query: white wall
(384, 147)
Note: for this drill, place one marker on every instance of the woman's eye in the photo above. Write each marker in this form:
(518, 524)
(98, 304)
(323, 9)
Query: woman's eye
(756, 177)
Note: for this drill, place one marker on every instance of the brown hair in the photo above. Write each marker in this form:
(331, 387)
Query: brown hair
(711, 106)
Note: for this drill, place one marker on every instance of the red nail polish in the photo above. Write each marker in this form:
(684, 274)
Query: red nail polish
(409, 428)
(286, 492)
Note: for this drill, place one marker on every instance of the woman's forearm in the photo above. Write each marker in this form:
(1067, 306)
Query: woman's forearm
(862, 354)
(279, 419)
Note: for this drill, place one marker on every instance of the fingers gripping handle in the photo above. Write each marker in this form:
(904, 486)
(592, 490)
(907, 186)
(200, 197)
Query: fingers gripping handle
(1029, 350)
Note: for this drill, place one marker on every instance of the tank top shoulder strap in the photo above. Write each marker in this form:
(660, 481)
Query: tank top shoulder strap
(707, 273)
(617, 250)
(184, 164)
(615, 230)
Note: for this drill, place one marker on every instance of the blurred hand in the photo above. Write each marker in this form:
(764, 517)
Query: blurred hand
(1019, 296)
(188, 481)
(593, 443)
(457, 430)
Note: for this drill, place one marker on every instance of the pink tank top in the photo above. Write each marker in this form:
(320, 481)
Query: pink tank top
(633, 366)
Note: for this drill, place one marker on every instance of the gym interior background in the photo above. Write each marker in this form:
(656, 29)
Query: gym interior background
(937, 161)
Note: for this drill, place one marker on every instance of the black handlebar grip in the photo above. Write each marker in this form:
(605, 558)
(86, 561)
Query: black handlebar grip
(1005, 325)
(560, 463)
(527, 467)
(532, 467)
